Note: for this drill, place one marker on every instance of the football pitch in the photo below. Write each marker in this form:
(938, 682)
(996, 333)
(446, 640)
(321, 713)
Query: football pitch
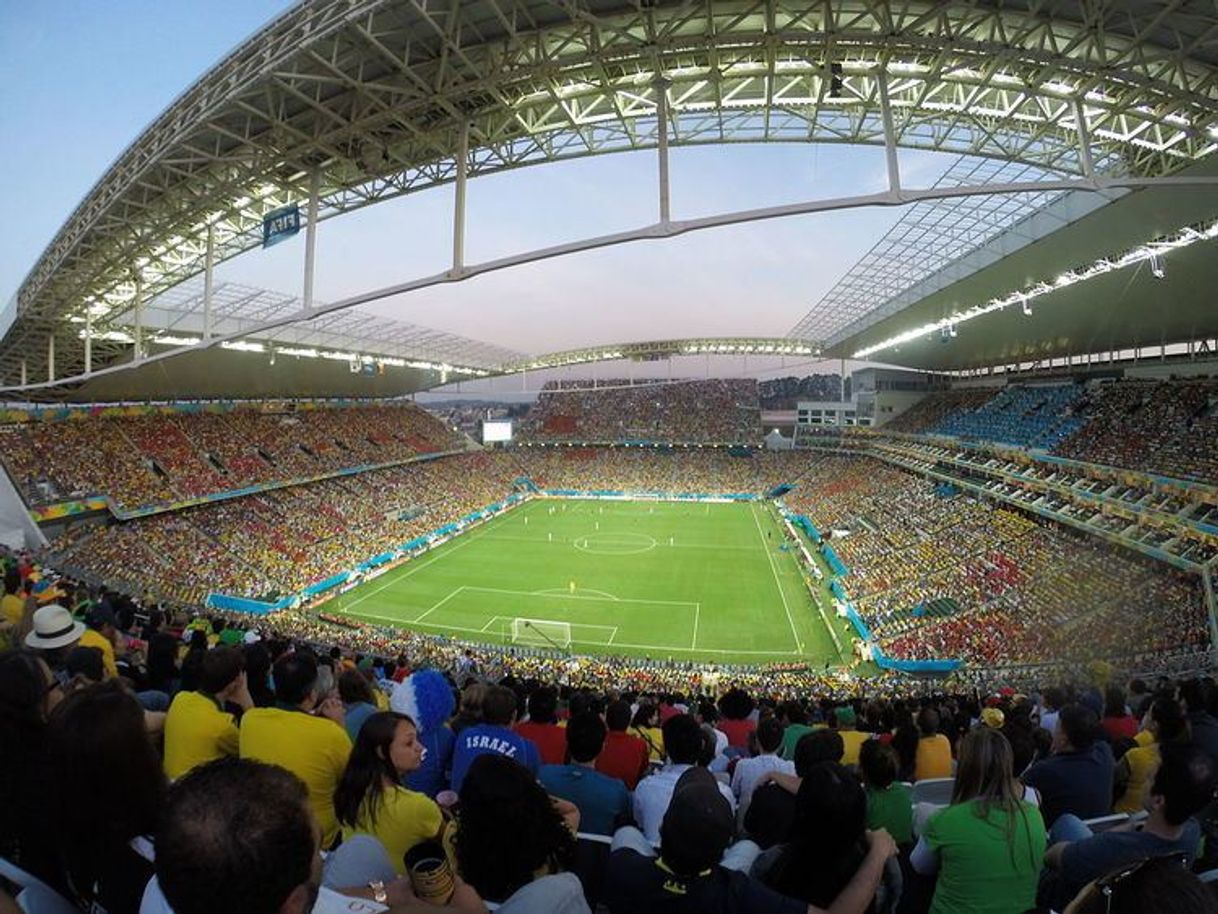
(686, 581)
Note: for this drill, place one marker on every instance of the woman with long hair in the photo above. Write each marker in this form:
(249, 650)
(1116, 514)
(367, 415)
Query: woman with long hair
(531, 859)
(646, 726)
(828, 843)
(109, 790)
(988, 845)
(370, 799)
(29, 693)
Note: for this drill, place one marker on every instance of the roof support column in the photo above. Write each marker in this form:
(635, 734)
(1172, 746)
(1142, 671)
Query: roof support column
(88, 339)
(459, 200)
(51, 356)
(25, 377)
(1084, 139)
(661, 87)
(209, 265)
(890, 135)
(311, 238)
(139, 319)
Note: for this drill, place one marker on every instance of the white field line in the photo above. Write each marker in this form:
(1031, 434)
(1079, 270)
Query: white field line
(693, 644)
(576, 596)
(777, 583)
(418, 566)
(437, 605)
(643, 647)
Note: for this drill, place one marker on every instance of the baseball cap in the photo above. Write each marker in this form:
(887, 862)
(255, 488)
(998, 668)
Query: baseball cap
(698, 826)
(993, 717)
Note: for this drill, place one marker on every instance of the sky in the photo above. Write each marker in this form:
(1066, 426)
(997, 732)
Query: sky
(80, 80)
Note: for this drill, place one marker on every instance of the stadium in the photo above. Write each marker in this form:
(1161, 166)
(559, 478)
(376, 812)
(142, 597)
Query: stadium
(943, 537)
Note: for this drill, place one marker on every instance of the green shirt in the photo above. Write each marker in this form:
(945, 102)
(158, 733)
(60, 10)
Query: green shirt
(790, 737)
(979, 872)
(891, 808)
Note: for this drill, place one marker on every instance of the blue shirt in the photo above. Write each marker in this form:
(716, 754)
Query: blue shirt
(356, 714)
(1074, 782)
(483, 738)
(432, 774)
(602, 800)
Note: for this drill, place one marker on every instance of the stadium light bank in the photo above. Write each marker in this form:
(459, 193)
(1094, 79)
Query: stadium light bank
(1151, 251)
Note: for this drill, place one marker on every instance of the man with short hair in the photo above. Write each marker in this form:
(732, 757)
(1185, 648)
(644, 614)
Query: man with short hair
(239, 837)
(852, 739)
(1183, 785)
(542, 726)
(749, 770)
(1077, 778)
(303, 733)
(494, 734)
(683, 743)
(771, 815)
(603, 801)
(1200, 698)
(623, 756)
(934, 754)
(795, 717)
(197, 728)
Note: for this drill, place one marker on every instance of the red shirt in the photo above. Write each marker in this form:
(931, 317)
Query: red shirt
(551, 741)
(1120, 727)
(737, 731)
(624, 757)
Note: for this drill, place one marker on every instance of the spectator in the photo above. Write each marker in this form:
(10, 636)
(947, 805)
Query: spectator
(358, 703)
(646, 727)
(54, 629)
(684, 743)
(748, 771)
(852, 739)
(624, 756)
(1077, 778)
(108, 793)
(197, 728)
(1118, 723)
(1199, 697)
(258, 674)
(239, 836)
(1051, 702)
(771, 815)
(796, 720)
(889, 802)
(934, 758)
(370, 799)
(542, 726)
(736, 717)
(698, 869)
(603, 802)
(470, 712)
(529, 872)
(84, 666)
(987, 845)
(304, 733)
(1183, 785)
(1155, 886)
(829, 843)
(162, 663)
(101, 633)
(1139, 698)
(29, 692)
(1166, 724)
(495, 735)
(426, 697)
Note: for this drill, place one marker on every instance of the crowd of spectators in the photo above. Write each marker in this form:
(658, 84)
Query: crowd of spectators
(228, 767)
(1160, 426)
(709, 412)
(1017, 590)
(141, 460)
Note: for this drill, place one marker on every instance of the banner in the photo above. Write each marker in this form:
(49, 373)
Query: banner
(279, 225)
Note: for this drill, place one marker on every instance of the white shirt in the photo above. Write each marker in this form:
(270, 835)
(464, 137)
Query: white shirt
(1048, 720)
(749, 771)
(654, 793)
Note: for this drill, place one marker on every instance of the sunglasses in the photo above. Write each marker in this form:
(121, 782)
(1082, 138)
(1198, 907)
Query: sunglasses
(1108, 885)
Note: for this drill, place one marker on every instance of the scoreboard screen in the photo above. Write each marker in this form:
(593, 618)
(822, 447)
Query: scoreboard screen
(493, 431)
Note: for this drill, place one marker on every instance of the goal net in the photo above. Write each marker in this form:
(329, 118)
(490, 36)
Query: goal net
(541, 632)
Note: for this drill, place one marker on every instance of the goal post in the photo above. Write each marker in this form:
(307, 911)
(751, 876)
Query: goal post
(541, 632)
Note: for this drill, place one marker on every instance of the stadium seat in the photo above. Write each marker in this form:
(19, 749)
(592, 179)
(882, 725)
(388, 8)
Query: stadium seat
(934, 790)
(35, 897)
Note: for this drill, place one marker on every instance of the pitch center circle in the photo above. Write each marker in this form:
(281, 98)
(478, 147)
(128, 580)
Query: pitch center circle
(615, 543)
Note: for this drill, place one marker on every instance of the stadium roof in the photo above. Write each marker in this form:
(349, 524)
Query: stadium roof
(350, 102)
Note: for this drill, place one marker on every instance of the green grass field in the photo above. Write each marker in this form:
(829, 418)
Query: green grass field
(687, 581)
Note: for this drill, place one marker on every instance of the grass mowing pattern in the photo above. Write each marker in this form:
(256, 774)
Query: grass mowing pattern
(651, 579)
